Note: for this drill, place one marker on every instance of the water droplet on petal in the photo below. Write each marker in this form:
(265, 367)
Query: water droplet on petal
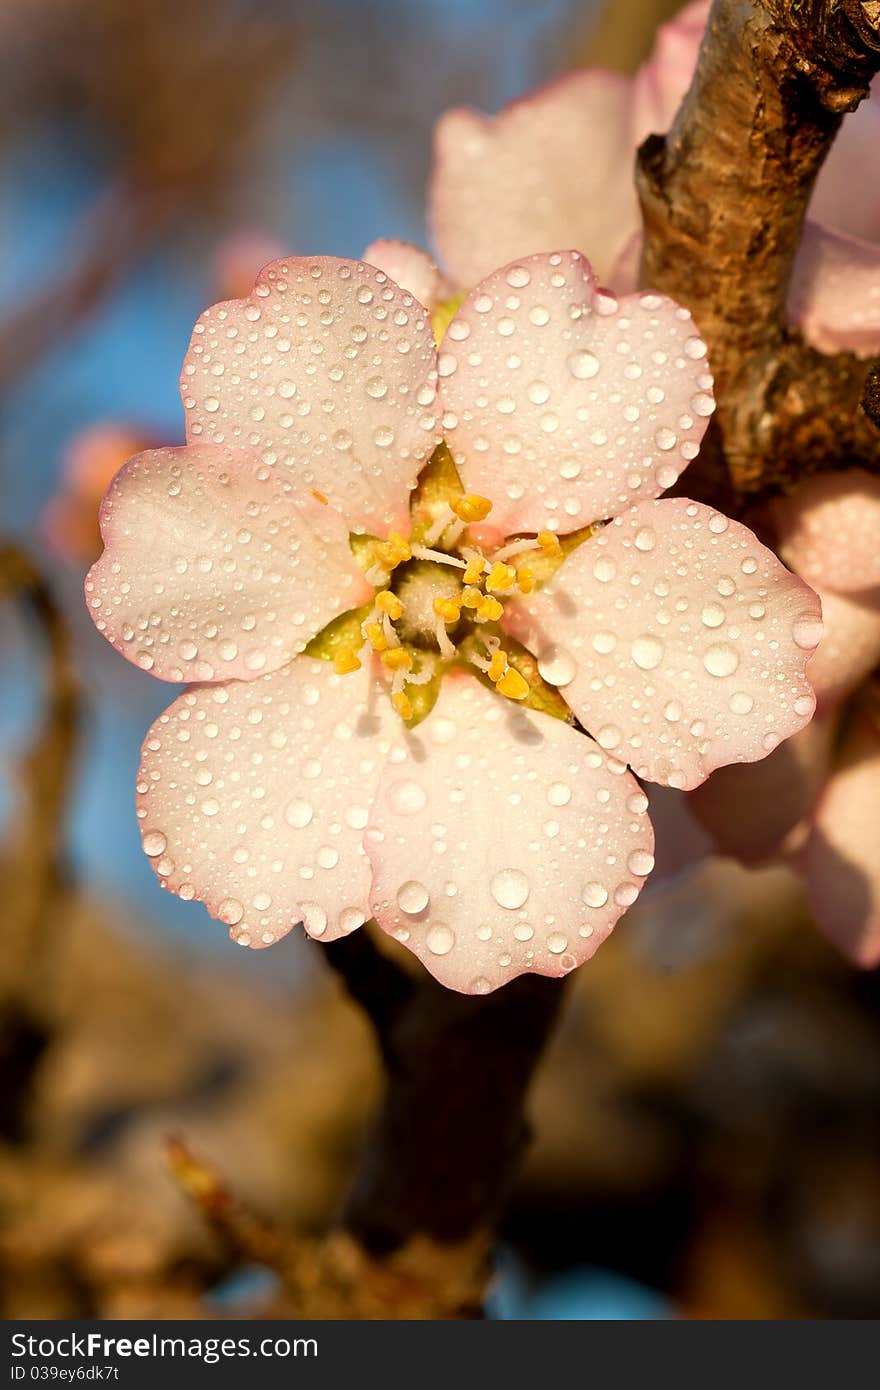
(510, 888)
(412, 897)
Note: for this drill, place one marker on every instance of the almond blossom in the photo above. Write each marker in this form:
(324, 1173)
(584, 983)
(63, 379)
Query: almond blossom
(815, 802)
(504, 187)
(385, 574)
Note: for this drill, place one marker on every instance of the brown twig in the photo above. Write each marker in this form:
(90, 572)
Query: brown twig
(47, 766)
(724, 196)
(452, 1126)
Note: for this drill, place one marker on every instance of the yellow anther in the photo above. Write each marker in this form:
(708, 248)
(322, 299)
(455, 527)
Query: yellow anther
(375, 636)
(549, 542)
(449, 609)
(401, 703)
(489, 609)
(345, 661)
(474, 570)
(471, 597)
(394, 551)
(389, 603)
(319, 496)
(472, 507)
(525, 579)
(501, 577)
(397, 659)
(512, 684)
(497, 666)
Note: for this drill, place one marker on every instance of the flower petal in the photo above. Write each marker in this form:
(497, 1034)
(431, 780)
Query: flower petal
(503, 186)
(411, 268)
(662, 80)
(684, 640)
(834, 297)
(563, 403)
(503, 842)
(828, 527)
(847, 192)
(841, 860)
(327, 369)
(751, 809)
(216, 566)
(253, 798)
(850, 646)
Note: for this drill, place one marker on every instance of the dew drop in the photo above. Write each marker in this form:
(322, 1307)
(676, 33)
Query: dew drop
(412, 897)
(557, 667)
(440, 940)
(510, 888)
(647, 652)
(806, 632)
(406, 798)
(720, 660)
(583, 365)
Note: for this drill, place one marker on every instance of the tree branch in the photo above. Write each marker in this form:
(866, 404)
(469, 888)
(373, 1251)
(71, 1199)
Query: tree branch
(724, 196)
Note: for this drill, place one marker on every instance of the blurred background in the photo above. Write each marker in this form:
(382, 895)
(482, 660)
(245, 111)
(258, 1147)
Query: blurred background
(707, 1121)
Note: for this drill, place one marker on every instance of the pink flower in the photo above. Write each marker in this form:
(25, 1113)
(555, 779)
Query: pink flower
(556, 169)
(70, 518)
(485, 831)
(815, 802)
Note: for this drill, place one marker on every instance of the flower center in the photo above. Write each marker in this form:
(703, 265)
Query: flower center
(440, 600)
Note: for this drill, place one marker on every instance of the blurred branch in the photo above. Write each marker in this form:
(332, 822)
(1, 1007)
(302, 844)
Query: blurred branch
(724, 195)
(46, 767)
(32, 888)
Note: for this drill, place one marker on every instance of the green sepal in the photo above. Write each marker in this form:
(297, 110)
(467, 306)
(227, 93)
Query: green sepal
(439, 484)
(344, 631)
(542, 697)
(423, 698)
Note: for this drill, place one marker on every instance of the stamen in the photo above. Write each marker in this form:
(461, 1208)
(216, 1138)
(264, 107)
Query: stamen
(525, 579)
(319, 496)
(400, 701)
(471, 507)
(471, 597)
(475, 568)
(397, 659)
(345, 661)
(422, 552)
(549, 543)
(445, 517)
(447, 650)
(395, 551)
(422, 676)
(516, 548)
(389, 603)
(489, 610)
(512, 684)
(449, 609)
(375, 635)
(497, 666)
(501, 577)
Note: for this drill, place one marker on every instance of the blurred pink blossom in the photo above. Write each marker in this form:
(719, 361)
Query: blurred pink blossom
(816, 801)
(555, 168)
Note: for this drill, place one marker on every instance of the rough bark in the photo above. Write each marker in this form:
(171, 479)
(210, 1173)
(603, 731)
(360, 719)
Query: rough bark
(724, 196)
